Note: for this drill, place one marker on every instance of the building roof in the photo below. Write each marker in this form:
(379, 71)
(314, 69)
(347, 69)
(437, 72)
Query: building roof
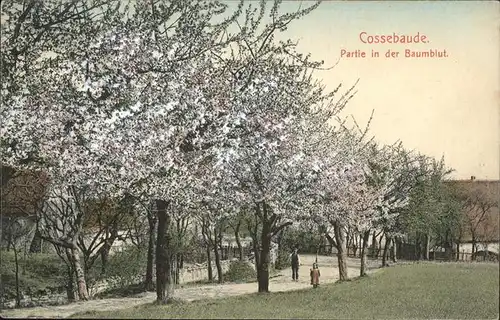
(21, 191)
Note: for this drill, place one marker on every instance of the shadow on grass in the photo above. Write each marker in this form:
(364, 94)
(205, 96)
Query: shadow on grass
(210, 302)
(138, 289)
(124, 292)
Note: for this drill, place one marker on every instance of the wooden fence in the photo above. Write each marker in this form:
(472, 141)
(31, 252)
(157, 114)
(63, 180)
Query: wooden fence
(408, 252)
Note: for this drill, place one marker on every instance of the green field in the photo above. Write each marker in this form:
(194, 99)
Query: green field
(427, 290)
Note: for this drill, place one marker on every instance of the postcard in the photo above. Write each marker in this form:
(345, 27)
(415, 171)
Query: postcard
(250, 159)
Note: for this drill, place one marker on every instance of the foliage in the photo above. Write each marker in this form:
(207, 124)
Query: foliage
(435, 208)
(126, 267)
(240, 271)
(394, 173)
(194, 252)
(38, 273)
(41, 273)
(307, 240)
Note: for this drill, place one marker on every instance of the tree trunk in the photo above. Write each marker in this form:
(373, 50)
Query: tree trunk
(148, 282)
(263, 265)
(220, 276)
(253, 230)
(399, 249)
(83, 294)
(238, 242)
(163, 259)
(106, 247)
(217, 253)
(379, 247)
(170, 278)
(427, 245)
(364, 246)
(374, 244)
(394, 251)
(347, 241)
(70, 288)
(474, 249)
(356, 245)
(448, 245)
(458, 250)
(206, 239)
(209, 264)
(18, 293)
(341, 251)
(256, 252)
(386, 251)
(417, 254)
(178, 267)
(175, 271)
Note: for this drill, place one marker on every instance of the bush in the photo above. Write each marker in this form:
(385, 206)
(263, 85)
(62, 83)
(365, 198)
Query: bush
(240, 271)
(307, 240)
(126, 267)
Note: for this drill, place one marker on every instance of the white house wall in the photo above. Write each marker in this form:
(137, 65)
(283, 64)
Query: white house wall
(492, 247)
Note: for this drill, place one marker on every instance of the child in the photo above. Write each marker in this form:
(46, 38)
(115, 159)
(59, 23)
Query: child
(315, 274)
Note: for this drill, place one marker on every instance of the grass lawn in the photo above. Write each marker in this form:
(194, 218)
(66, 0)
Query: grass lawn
(37, 272)
(427, 290)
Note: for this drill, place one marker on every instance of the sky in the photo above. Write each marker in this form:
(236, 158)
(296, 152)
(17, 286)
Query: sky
(438, 106)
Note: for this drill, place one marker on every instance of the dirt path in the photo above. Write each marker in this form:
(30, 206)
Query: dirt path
(283, 282)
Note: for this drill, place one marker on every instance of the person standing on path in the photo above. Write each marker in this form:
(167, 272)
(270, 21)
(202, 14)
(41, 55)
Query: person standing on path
(315, 274)
(295, 264)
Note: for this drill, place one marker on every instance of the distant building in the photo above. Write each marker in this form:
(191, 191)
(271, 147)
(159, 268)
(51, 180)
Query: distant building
(480, 229)
(230, 241)
(21, 193)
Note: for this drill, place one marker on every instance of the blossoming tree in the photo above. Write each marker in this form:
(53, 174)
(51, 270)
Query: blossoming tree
(120, 101)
